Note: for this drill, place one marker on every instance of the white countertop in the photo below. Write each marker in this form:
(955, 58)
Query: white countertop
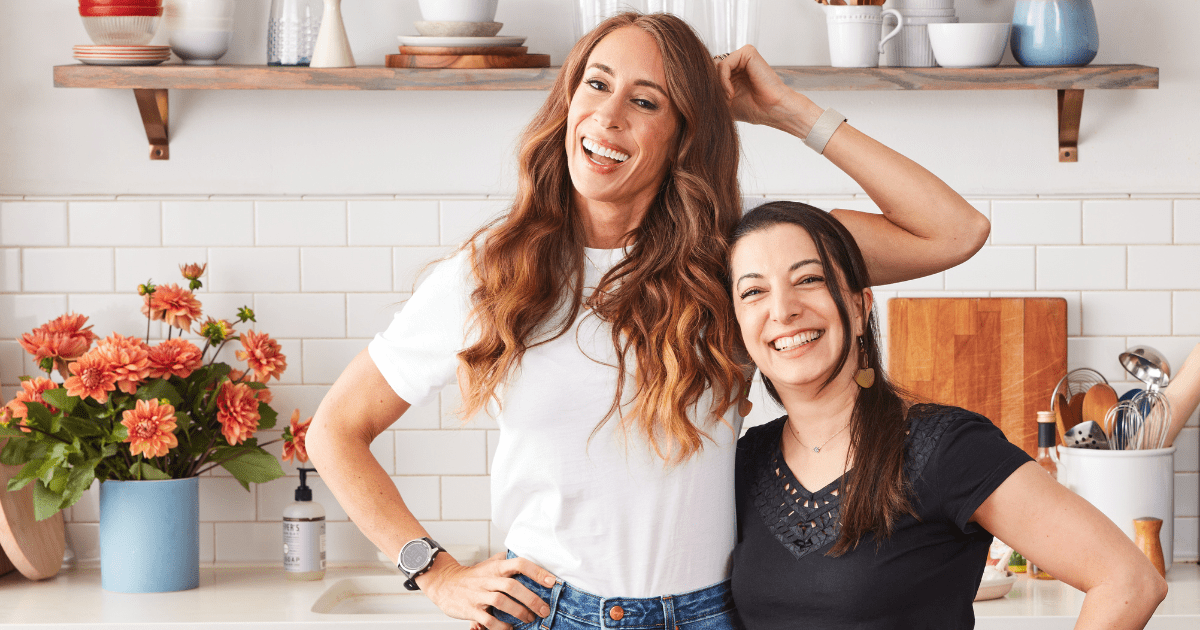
(261, 598)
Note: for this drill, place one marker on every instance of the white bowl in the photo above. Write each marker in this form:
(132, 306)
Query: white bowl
(458, 10)
(121, 30)
(969, 44)
(199, 24)
(993, 586)
(199, 8)
(200, 48)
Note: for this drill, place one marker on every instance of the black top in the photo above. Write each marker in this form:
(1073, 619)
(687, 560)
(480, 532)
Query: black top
(924, 576)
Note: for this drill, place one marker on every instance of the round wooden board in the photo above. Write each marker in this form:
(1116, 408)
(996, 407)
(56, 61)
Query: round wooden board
(463, 50)
(468, 61)
(34, 547)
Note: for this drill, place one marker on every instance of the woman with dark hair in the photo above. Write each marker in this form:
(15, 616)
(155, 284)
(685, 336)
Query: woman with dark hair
(861, 510)
(593, 322)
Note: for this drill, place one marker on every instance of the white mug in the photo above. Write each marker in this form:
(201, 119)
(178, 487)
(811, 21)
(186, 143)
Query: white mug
(854, 34)
(458, 10)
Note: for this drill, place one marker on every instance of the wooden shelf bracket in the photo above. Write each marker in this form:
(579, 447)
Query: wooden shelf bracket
(152, 104)
(1070, 108)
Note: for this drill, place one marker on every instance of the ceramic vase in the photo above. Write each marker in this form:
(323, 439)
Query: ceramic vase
(150, 535)
(333, 47)
(1054, 32)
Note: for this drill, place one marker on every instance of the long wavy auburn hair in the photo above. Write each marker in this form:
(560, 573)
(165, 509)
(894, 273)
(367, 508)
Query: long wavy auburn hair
(666, 301)
(876, 493)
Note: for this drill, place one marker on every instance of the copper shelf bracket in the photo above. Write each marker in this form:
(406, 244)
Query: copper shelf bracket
(153, 106)
(1070, 107)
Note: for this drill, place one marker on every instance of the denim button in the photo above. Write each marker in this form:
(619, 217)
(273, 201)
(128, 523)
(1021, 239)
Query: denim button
(616, 612)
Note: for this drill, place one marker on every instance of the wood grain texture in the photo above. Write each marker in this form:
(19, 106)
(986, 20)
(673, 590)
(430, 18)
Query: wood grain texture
(245, 77)
(999, 357)
(464, 50)
(6, 565)
(468, 61)
(34, 547)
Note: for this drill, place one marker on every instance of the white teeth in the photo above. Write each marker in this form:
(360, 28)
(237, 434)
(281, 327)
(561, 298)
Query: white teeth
(784, 343)
(592, 146)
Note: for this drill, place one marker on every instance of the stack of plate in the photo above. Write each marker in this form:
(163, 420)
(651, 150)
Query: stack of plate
(122, 55)
(423, 51)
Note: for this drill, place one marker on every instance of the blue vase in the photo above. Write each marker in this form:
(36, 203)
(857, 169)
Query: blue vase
(1054, 32)
(150, 535)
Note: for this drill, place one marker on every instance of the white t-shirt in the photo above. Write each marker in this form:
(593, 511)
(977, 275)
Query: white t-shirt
(605, 514)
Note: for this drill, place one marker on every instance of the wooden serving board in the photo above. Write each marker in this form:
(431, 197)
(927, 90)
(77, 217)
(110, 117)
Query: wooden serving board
(999, 357)
(468, 61)
(464, 50)
(34, 547)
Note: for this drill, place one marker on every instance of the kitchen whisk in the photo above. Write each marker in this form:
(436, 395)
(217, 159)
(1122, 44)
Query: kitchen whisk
(1139, 423)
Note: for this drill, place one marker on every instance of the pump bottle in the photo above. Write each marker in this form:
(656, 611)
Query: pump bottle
(304, 535)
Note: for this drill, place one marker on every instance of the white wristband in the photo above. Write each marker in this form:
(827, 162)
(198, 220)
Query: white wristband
(823, 129)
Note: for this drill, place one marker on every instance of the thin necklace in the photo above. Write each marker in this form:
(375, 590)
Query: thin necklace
(816, 449)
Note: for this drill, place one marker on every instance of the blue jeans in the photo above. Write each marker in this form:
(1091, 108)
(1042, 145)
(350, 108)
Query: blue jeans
(709, 608)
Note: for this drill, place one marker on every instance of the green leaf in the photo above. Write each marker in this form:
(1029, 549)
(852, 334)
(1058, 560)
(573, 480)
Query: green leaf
(80, 480)
(58, 480)
(147, 471)
(45, 502)
(182, 421)
(27, 473)
(12, 432)
(59, 398)
(251, 464)
(38, 415)
(81, 427)
(16, 452)
(160, 388)
(266, 416)
(119, 433)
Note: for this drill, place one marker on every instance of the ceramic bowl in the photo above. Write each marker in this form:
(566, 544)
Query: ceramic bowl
(995, 586)
(969, 44)
(458, 29)
(86, 4)
(458, 10)
(217, 9)
(200, 48)
(121, 30)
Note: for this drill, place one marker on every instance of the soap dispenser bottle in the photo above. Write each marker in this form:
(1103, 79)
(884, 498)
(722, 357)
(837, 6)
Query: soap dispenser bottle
(304, 535)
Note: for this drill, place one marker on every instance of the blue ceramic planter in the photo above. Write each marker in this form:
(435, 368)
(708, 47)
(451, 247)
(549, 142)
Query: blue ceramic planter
(1054, 33)
(150, 535)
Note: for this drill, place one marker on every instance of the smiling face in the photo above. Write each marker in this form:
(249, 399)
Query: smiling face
(621, 125)
(789, 320)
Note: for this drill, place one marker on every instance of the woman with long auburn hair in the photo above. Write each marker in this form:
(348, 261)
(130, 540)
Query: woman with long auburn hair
(858, 509)
(593, 322)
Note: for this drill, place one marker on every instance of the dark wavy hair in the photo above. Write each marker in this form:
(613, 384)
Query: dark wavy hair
(876, 493)
(666, 301)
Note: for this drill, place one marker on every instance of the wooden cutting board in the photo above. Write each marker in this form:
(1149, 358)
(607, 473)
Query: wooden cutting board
(34, 547)
(999, 357)
(468, 61)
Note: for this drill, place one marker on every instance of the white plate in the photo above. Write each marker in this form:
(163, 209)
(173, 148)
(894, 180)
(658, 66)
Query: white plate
(500, 40)
(94, 61)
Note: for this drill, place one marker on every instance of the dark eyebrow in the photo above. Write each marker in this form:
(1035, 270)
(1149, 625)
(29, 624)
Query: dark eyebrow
(642, 82)
(795, 266)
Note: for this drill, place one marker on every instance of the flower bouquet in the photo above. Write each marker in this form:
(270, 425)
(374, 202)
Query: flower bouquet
(128, 410)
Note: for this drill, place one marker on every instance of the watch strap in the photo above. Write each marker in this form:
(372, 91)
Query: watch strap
(434, 549)
(823, 129)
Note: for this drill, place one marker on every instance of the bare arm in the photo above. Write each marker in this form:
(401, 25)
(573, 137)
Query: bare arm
(359, 407)
(925, 228)
(1074, 542)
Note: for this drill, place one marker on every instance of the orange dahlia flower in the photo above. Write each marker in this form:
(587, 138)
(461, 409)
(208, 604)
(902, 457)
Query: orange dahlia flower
(193, 271)
(263, 355)
(130, 359)
(179, 357)
(151, 428)
(91, 375)
(62, 339)
(293, 439)
(237, 411)
(173, 305)
(31, 391)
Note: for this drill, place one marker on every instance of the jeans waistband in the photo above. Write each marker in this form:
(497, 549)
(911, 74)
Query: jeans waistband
(665, 611)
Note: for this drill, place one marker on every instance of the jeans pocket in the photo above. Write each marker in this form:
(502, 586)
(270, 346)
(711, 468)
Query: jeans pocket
(517, 624)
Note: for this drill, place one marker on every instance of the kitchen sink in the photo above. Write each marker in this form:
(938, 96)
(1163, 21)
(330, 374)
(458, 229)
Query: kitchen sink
(373, 595)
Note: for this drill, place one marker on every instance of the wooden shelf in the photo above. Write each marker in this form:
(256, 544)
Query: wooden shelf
(151, 84)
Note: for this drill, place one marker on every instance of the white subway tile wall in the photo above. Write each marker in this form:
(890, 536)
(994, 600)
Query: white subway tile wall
(324, 275)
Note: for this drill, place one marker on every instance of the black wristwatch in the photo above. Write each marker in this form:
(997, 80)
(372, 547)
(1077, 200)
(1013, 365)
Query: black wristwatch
(416, 556)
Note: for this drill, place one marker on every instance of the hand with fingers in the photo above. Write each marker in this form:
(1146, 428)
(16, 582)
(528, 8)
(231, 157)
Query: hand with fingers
(756, 93)
(471, 592)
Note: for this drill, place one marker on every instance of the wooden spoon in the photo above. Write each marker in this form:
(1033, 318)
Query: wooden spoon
(1074, 411)
(1099, 399)
(1060, 412)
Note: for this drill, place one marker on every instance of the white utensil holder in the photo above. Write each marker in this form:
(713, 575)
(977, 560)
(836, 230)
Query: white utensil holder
(1125, 485)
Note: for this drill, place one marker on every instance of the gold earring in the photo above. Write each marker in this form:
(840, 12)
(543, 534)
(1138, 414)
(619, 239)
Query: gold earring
(865, 377)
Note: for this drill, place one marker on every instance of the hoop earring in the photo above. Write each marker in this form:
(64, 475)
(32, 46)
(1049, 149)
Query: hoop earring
(865, 377)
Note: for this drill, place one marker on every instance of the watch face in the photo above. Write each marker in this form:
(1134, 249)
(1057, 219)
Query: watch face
(414, 555)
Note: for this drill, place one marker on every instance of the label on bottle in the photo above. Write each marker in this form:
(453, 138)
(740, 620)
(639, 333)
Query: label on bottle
(303, 545)
(1047, 434)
